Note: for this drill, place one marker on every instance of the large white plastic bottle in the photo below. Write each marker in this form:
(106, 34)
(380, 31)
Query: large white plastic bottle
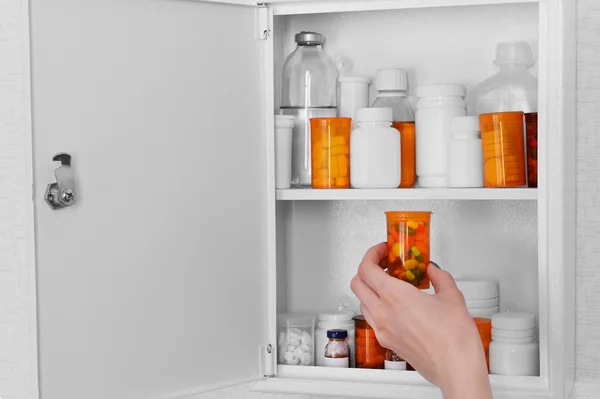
(513, 88)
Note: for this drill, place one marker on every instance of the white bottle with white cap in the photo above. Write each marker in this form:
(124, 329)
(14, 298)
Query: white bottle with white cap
(375, 150)
(481, 296)
(283, 150)
(465, 159)
(438, 105)
(354, 95)
(332, 320)
(514, 350)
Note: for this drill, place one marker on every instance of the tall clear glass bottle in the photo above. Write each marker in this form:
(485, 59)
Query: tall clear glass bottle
(308, 90)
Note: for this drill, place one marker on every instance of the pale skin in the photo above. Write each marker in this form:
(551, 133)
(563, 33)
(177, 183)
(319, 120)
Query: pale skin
(451, 355)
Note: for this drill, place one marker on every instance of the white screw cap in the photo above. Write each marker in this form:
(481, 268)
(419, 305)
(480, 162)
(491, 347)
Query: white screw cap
(516, 52)
(391, 79)
(374, 115)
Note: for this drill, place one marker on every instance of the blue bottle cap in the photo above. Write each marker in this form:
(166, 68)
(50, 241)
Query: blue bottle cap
(337, 334)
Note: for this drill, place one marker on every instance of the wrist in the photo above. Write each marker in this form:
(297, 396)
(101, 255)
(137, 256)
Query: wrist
(467, 376)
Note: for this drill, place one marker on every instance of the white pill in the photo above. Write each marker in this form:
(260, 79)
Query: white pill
(288, 356)
(293, 361)
(305, 348)
(281, 339)
(292, 348)
(306, 338)
(298, 353)
(295, 330)
(307, 359)
(296, 335)
(294, 341)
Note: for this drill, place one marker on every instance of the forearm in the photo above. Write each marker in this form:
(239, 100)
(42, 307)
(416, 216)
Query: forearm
(468, 379)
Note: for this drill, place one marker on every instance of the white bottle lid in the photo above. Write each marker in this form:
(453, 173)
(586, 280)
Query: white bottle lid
(374, 115)
(391, 79)
(513, 321)
(354, 79)
(516, 52)
(336, 315)
(478, 289)
(462, 124)
(449, 90)
(284, 121)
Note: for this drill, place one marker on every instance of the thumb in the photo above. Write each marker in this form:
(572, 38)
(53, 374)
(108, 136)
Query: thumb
(441, 280)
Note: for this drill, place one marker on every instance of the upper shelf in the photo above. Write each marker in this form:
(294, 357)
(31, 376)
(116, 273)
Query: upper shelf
(530, 194)
(291, 7)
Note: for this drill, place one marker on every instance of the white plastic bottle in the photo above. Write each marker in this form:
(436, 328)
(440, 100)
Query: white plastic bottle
(375, 150)
(481, 296)
(438, 105)
(465, 158)
(513, 88)
(514, 350)
(354, 95)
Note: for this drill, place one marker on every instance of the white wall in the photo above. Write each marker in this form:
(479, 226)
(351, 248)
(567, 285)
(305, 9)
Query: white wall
(18, 375)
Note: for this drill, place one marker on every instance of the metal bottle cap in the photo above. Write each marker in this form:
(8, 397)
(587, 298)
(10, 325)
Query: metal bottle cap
(309, 38)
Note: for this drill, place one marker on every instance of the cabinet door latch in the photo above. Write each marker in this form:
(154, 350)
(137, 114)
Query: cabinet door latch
(62, 193)
(267, 355)
(261, 17)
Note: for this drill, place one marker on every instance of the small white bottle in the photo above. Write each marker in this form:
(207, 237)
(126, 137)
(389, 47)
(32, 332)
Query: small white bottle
(437, 106)
(514, 350)
(283, 150)
(481, 296)
(374, 150)
(465, 158)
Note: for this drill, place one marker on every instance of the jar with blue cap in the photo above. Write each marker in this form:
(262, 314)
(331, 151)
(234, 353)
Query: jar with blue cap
(337, 351)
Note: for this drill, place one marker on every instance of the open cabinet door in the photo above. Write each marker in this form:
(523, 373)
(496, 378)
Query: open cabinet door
(153, 283)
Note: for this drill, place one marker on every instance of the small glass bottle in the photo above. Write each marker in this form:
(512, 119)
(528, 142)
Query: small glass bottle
(393, 361)
(337, 351)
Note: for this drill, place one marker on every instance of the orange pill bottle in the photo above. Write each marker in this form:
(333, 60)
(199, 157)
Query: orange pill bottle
(502, 142)
(369, 353)
(330, 152)
(484, 326)
(408, 246)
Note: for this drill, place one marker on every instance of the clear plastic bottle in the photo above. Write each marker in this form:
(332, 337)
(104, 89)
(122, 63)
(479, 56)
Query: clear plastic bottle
(513, 88)
(308, 90)
(392, 87)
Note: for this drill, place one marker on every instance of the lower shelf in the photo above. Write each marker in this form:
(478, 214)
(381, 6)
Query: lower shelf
(364, 383)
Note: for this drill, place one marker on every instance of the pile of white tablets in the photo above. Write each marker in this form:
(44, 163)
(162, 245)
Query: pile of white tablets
(295, 347)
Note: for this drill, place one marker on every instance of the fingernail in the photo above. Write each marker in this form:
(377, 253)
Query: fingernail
(435, 264)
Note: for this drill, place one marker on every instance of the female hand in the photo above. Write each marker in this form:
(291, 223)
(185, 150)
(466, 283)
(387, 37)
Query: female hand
(434, 333)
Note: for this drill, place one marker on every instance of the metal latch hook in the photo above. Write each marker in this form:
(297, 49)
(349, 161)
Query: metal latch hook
(62, 193)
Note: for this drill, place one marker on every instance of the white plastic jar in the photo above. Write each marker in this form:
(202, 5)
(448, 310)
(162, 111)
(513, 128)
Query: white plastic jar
(333, 320)
(283, 150)
(374, 150)
(465, 158)
(481, 296)
(437, 106)
(514, 350)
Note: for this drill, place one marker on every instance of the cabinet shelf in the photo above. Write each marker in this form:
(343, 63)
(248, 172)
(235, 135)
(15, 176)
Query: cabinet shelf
(528, 194)
(381, 383)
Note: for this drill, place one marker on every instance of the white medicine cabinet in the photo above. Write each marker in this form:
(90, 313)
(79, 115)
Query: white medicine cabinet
(165, 278)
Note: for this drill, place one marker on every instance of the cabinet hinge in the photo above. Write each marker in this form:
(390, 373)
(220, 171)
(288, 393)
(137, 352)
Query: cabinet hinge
(261, 21)
(267, 356)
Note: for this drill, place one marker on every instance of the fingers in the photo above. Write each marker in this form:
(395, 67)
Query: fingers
(376, 254)
(363, 292)
(441, 280)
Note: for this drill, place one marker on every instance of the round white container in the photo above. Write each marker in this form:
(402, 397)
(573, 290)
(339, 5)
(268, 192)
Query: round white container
(374, 150)
(465, 158)
(481, 296)
(296, 339)
(513, 350)
(354, 95)
(438, 105)
(333, 320)
(283, 150)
